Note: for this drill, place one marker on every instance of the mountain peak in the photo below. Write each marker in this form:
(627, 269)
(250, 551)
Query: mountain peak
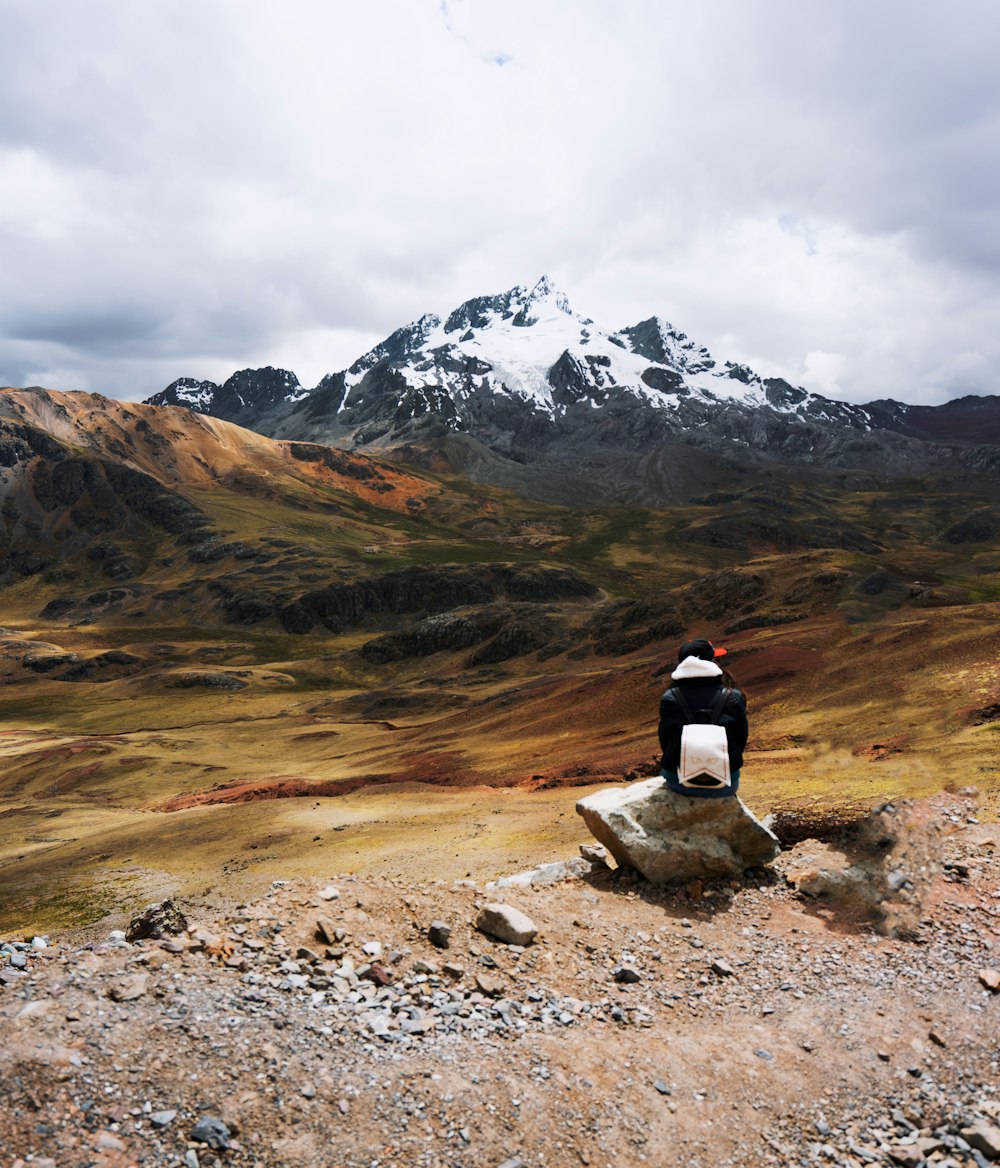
(547, 289)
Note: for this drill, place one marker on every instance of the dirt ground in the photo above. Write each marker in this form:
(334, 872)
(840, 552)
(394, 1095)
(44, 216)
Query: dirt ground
(760, 1027)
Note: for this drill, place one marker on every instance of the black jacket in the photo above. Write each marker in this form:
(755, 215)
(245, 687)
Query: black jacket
(701, 695)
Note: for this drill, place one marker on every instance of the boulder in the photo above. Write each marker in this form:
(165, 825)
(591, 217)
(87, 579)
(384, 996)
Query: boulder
(676, 838)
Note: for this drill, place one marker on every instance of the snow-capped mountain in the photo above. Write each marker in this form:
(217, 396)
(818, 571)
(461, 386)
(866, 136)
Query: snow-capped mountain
(247, 392)
(521, 372)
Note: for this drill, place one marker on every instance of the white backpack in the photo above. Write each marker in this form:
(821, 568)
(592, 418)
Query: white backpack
(704, 758)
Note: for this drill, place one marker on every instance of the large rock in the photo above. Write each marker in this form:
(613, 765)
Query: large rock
(670, 837)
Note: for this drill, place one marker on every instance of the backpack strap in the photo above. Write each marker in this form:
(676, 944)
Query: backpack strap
(688, 713)
(682, 701)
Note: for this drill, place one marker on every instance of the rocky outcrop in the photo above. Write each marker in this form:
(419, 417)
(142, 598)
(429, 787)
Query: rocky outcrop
(245, 395)
(420, 588)
(880, 867)
(500, 632)
(672, 838)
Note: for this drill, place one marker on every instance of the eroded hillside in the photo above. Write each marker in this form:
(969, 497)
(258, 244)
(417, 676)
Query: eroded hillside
(227, 658)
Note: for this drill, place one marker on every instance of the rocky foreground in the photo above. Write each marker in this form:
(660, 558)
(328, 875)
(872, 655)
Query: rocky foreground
(371, 1023)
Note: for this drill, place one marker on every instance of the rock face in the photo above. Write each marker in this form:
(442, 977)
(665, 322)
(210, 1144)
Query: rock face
(669, 837)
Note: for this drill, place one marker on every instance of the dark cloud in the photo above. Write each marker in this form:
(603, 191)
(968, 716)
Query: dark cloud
(185, 189)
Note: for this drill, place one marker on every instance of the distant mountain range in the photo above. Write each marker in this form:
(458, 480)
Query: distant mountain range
(523, 379)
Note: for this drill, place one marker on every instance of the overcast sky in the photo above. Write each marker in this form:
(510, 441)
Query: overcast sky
(188, 187)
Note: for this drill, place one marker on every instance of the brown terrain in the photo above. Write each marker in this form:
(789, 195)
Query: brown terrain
(228, 661)
(734, 1023)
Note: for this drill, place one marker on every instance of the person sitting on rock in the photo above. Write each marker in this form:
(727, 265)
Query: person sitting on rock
(702, 693)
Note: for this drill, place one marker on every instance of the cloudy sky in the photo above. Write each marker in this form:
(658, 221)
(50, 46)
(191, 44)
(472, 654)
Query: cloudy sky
(192, 186)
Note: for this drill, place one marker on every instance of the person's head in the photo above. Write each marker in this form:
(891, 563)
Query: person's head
(700, 647)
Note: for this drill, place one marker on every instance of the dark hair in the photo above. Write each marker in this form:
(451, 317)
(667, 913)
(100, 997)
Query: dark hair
(730, 682)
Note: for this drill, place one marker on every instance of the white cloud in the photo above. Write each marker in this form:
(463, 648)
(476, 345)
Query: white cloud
(189, 189)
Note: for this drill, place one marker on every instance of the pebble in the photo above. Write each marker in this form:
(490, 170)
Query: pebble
(991, 979)
(162, 1118)
(330, 893)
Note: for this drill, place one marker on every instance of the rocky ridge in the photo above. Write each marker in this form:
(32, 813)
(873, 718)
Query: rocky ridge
(523, 374)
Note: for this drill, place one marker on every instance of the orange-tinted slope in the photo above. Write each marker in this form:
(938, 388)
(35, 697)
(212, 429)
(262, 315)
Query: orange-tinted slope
(181, 448)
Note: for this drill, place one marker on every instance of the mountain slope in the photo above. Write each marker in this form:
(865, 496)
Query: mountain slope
(536, 384)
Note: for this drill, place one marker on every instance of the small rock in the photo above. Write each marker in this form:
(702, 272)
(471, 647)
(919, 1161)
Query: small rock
(449, 969)
(595, 853)
(326, 930)
(191, 1159)
(159, 920)
(506, 923)
(936, 1038)
(162, 1118)
(489, 984)
(212, 1131)
(984, 1137)
(882, 1055)
(330, 893)
(722, 968)
(425, 967)
(307, 1091)
(662, 1086)
(907, 1155)
(626, 975)
(439, 934)
(513, 1162)
(129, 988)
(990, 978)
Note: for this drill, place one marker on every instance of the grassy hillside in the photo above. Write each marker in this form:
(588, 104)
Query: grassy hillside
(278, 661)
